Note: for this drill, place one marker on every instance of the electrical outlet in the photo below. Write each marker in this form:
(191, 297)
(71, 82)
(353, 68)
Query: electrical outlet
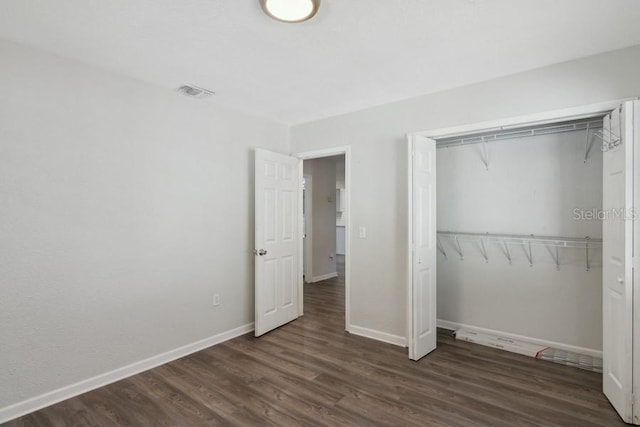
(362, 232)
(216, 300)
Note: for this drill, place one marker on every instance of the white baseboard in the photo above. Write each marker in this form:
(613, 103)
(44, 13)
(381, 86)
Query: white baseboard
(35, 403)
(560, 346)
(322, 277)
(378, 335)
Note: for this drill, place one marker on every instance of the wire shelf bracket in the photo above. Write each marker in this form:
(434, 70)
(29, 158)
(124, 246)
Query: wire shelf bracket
(588, 143)
(555, 256)
(440, 247)
(458, 248)
(484, 251)
(485, 154)
(507, 253)
(529, 253)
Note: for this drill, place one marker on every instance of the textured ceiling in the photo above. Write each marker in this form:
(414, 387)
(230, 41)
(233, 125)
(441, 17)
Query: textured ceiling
(354, 54)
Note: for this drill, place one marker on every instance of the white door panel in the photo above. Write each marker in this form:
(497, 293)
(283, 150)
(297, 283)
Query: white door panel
(276, 238)
(635, 137)
(422, 337)
(617, 253)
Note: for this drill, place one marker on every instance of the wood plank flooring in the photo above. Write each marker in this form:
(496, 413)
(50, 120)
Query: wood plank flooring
(310, 372)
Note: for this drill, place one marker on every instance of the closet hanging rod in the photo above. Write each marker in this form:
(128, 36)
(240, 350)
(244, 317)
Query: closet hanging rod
(521, 239)
(512, 133)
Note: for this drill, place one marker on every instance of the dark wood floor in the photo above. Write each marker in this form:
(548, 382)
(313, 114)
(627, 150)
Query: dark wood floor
(310, 372)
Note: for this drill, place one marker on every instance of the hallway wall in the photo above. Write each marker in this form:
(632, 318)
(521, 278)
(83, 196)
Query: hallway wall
(323, 224)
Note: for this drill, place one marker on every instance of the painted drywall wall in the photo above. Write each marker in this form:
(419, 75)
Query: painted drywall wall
(533, 186)
(124, 208)
(341, 215)
(379, 161)
(323, 218)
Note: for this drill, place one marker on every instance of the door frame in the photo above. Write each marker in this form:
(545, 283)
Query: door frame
(318, 154)
(635, 349)
(307, 240)
(565, 114)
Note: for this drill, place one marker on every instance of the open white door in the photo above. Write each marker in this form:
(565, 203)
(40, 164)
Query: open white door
(617, 256)
(276, 235)
(422, 283)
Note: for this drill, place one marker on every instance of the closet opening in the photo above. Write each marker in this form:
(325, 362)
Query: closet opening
(519, 239)
(521, 235)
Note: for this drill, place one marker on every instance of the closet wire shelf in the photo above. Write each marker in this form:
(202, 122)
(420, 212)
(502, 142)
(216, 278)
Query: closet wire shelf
(504, 241)
(508, 133)
(594, 129)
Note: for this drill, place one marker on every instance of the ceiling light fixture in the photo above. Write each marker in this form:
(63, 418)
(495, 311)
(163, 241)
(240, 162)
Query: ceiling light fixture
(290, 11)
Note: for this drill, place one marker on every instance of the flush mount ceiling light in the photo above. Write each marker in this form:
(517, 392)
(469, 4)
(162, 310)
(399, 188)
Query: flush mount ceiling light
(290, 10)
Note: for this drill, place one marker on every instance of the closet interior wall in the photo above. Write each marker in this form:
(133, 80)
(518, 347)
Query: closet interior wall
(537, 185)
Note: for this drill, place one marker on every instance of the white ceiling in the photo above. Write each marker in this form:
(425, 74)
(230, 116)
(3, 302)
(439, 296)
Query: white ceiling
(354, 54)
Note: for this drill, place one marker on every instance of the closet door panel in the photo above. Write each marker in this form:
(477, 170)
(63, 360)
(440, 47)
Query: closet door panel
(617, 253)
(422, 295)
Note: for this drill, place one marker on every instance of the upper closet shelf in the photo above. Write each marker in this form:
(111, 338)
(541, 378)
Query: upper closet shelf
(501, 134)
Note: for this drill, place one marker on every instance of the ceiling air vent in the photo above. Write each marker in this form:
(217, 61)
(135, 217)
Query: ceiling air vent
(195, 91)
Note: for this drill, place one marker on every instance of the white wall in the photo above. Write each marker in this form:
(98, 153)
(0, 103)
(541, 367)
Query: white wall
(123, 209)
(341, 216)
(378, 167)
(532, 186)
(323, 218)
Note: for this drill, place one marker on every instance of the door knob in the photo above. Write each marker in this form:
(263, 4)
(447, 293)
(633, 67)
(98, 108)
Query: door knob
(620, 280)
(260, 252)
